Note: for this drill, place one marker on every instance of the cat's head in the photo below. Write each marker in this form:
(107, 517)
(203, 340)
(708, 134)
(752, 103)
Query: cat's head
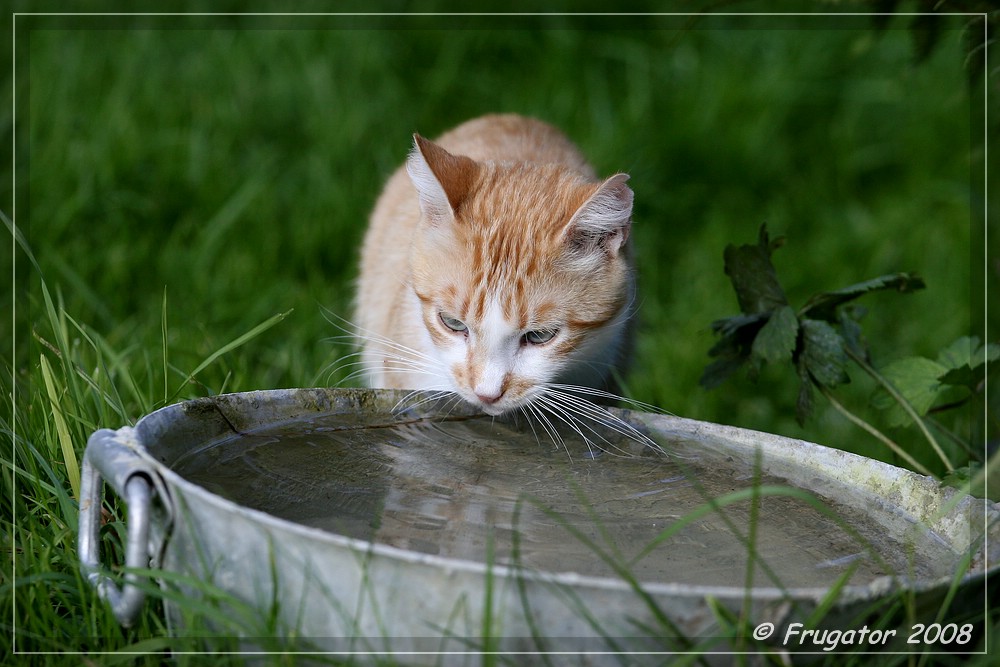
(521, 271)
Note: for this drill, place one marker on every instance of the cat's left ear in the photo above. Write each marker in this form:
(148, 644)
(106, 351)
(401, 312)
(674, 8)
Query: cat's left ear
(442, 180)
(603, 221)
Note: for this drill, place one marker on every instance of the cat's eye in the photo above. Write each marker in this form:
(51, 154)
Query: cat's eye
(539, 337)
(456, 325)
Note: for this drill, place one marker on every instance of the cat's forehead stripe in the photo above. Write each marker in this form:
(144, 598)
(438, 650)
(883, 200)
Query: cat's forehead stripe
(587, 325)
(515, 306)
(503, 263)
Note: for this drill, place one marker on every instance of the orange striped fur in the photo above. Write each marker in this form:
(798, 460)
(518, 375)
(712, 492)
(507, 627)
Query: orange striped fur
(496, 262)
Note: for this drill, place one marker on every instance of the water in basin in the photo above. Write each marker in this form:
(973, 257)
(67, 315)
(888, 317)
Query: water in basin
(482, 489)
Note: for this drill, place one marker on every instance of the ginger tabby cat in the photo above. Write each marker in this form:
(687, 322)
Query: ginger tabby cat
(496, 266)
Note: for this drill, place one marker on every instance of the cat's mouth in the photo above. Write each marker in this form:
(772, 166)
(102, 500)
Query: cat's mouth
(494, 408)
(504, 404)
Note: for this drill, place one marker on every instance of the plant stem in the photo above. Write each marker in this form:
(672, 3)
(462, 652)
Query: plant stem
(858, 421)
(977, 486)
(903, 403)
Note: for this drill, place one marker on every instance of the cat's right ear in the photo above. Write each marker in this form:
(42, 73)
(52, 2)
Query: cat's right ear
(442, 180)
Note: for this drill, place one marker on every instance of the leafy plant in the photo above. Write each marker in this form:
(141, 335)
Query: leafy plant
(933, 385)
(823, 336)
(815, 338)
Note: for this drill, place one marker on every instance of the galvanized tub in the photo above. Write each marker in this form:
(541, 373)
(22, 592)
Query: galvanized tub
(392, 522)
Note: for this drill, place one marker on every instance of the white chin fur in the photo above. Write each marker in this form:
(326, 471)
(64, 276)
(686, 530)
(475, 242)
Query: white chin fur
(493, 410)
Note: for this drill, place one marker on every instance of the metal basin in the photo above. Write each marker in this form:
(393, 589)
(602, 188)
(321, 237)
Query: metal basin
(364, 520)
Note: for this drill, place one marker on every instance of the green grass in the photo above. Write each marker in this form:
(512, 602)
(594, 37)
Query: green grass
(182, 183)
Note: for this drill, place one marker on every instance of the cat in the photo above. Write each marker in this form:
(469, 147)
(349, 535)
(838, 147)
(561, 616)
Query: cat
(497, 266)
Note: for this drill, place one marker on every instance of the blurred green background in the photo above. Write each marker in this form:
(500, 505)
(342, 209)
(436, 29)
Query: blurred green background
(226, 166)
(180, 180)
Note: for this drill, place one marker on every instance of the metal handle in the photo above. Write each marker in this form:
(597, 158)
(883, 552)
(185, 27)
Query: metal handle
(111, 455)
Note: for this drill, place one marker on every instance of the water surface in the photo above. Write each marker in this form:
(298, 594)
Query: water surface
(469, 487)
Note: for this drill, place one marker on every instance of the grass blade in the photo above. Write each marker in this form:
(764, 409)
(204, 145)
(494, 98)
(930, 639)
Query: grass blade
(65, 442)
(163, 339)
(232, 345)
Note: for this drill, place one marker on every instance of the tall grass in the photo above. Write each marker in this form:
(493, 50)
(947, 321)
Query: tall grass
(192, 192)
(233, 171)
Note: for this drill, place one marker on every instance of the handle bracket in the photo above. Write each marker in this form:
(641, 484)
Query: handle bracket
(111, 457)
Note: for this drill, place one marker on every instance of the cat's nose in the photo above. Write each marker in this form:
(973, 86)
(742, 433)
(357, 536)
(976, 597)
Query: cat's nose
(489, 398)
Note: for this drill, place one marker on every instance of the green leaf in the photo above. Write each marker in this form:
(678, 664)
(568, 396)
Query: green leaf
(823, 306)
(965, 377)
(775, 341)
(760, 295)
(733, 348)
(917, 379)
(753, 275)
(960, 353)
(850, 330)
(823, 353)
(967, 360)
(743, 327)
(959, 369)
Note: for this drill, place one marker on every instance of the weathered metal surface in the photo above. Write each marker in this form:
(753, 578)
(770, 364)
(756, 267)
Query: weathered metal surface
(342, 593)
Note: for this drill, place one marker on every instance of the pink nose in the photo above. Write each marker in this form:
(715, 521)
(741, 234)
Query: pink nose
(489, 399)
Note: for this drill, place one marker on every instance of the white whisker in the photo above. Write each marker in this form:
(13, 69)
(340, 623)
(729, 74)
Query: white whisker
(430, 396)
(393, 358)
(594, 412)
(550, 406)
(356, 333)
(567, 418)
(600, 393)
(547, 426)
(582, 408)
